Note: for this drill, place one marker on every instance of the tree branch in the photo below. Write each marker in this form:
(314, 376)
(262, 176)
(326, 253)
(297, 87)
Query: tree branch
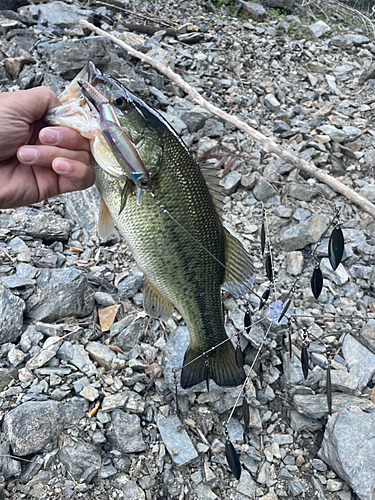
(268, 144)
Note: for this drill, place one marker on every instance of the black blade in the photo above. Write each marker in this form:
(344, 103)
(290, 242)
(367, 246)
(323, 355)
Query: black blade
(232, 459)
(336, 247)
(290, 343)
(264, 298)
(269, 270)
(245, 414)
(262, 238)
(207, 376)
(247, 321)
(329, 389)
(239, 357)
(286, 307)
(305, 361)
(317, 282)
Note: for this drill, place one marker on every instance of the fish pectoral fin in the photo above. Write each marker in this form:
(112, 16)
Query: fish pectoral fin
(155, 304)
(240, 272)
(221, 367)
(105, 222)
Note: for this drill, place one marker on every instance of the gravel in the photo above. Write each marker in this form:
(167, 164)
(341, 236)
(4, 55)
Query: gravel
(87, 384)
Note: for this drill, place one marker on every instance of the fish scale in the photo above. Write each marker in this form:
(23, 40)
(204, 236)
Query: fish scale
(176, 266)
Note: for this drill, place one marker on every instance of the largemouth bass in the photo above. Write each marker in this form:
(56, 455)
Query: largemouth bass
(172, 226)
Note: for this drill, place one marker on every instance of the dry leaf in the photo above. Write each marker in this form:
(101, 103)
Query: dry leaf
(120, 277)
(107, 316)
(154, 370)
(372, 397)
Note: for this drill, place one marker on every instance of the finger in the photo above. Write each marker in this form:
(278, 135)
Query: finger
(64, 137)
(44, 155)
(33, 102)
(73, 174)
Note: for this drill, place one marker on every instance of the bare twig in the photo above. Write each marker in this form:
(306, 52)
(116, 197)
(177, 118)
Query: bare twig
(137, 14)
(268, 144)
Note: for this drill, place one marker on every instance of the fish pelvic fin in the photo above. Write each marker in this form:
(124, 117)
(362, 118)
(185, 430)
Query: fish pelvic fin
(155, 305)
(220, 366)
(105, 222)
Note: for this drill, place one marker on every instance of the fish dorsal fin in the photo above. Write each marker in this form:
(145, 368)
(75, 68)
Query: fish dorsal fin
(213, 183)
(155, 305)
(239, 273)
(105, 223)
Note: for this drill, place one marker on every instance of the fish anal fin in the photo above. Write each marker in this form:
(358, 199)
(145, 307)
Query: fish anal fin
(240, 272)
(221, 364)
(155, 304)
(105, 222)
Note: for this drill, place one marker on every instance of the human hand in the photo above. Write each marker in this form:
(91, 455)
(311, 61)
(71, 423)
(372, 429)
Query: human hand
(36, 161)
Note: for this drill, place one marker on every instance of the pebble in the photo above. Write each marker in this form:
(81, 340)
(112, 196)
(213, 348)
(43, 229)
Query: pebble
(292, 86)
(125, 433)
(361, 362)
(176, 440)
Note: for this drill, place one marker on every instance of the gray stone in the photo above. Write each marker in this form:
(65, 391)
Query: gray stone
(319, 28)
(11, 315)
(300, 192)
(264, 190)
(58, 13)
(271, 103)
(132, 491)
(60, 293)
(130, 285)
(213, 128)
(8, 466)
(300, 422)
(280, 126)
(104, 299)
(32, 222)
(101, 353)
(67, 58)
(347, 447)
(362, 272)
(253, 10)
(194, 119)
(352, 133)
(125, 433)
(361, 362)
(83, 208)
(32, 425)
(16, 281)
(80, 458)
(77, 355)
(246, 484)
(339, 277)
(29, 338)
(114, 401)
(368, 192)
(6, 376)
(230, 182)
(315, 405)
(49, 350)
(368, 335)
(343, 381)
(298, 236)
(176, 440)
(334, 133)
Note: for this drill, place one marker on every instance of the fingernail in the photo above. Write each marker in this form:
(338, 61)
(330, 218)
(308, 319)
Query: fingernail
(27, 154)
(50, 136)
(61, 166)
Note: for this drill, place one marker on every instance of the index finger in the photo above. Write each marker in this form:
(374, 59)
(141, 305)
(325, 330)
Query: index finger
(64, 137)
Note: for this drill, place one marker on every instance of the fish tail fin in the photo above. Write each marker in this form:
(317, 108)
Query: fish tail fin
(220, 366)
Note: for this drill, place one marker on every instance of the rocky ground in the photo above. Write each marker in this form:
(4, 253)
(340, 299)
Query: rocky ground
(87, 391)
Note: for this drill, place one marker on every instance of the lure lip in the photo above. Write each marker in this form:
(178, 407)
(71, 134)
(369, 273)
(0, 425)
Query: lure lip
(113, 131)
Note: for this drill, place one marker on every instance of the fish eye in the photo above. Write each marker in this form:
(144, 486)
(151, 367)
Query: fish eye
(119, 101)
(143, 184)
